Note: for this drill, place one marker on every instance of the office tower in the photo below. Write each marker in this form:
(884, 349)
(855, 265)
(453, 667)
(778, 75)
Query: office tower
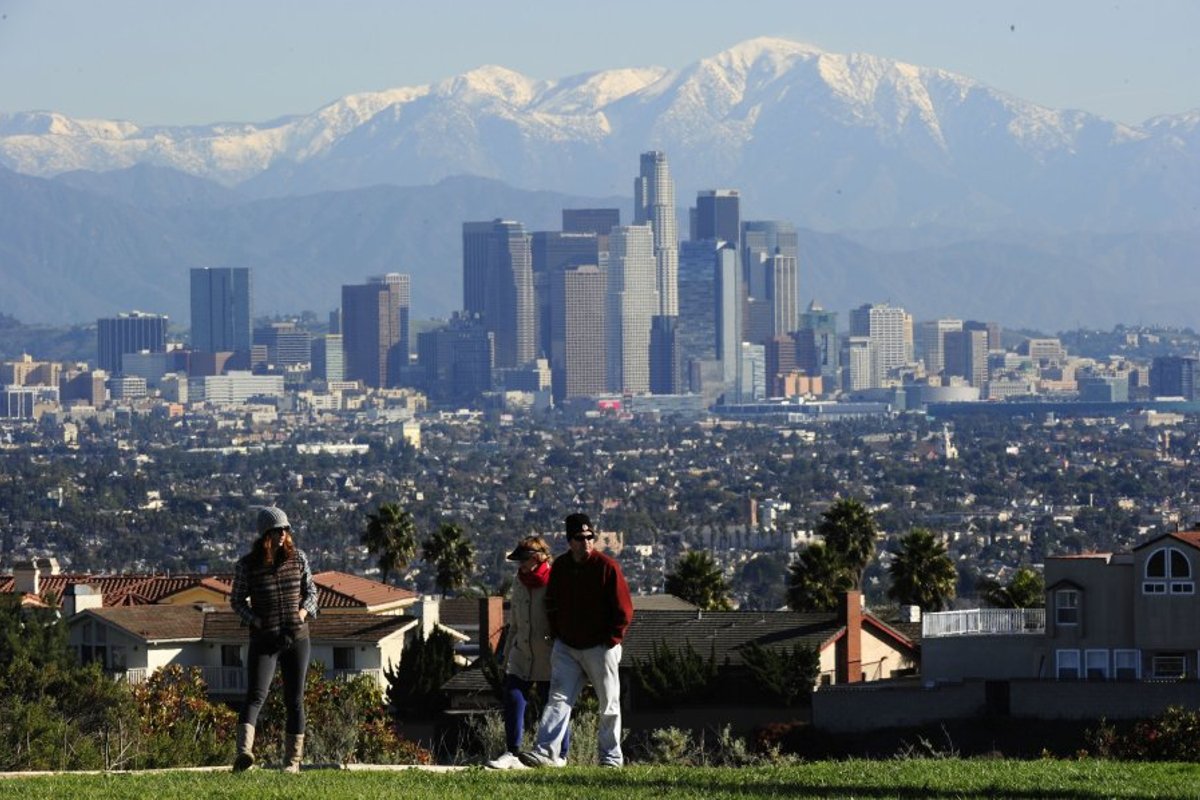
(328, 358)
(762, 239)
(697, 329)
(554, 251)
(782, 293)
(666, 367)
(498, 287)
(856, 356)
(221, 309)
(335, 321)
(889, 330)
(375, 329)
(991, 328)
(654, 204)
(457, 360)
(128, 333)
(632, 302)
(821, 329)
(729, 313)
(931, 343)
(719, 216)
(590, 220)
(286, 343)
(966, 355)
(780, 355)
(752, 374)
(1174, 376)
(578, 359)
(87, 387)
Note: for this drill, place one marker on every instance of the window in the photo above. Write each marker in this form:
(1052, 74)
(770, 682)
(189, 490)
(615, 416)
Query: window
(1168, 571)
(1170, 666)
(1066, 607)
(1127, 665)
(231, 655)
(343, 658)
(1095, 663)
(1066, 664)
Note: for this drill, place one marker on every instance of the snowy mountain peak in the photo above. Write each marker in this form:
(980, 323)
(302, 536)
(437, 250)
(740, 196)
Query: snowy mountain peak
(491, 81)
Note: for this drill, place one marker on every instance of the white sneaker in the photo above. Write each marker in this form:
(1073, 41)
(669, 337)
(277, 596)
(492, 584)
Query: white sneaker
(505, 761)
(532, 758)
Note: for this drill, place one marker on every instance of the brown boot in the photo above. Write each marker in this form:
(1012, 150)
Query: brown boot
(293, 752)
(245, 748)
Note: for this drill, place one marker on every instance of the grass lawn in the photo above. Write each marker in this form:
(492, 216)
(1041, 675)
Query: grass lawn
(949, 778)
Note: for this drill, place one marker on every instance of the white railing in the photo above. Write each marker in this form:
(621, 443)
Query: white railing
(350, 674)
(984, 621)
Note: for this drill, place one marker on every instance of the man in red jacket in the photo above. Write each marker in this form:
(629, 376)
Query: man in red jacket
(587, 602)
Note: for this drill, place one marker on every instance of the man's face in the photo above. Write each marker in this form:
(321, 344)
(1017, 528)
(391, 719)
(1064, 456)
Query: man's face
(582, 543)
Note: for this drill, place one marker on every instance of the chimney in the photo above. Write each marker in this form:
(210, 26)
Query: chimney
(849, 646)
(430, 615)
(491, 622)
(81, 597)
(27, 578)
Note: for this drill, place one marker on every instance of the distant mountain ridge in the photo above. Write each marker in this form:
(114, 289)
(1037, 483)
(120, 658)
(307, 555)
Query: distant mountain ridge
(829, 140)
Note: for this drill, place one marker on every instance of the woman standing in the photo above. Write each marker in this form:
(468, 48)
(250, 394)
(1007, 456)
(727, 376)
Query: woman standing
(274, 594)
(527, 646)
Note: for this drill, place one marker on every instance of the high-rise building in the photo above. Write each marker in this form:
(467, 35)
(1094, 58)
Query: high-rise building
(782, 293)
(287, 344)
(762, 239)
(729, 314)
(1175, 376)
(697, 329)
(859, 364)
(590, 220)
(128, 333)
(457, 360)
(498, 265)
(719, 216)
(578, 358)
(889, 331)
(221, 309)
(966, 355)
(823, 356)
(666, 367)
(328, 358)
(375, 320)
(931, 343)
(991, 328)
(780, 355)
(654, 205)
(555, 251)
(632, 303)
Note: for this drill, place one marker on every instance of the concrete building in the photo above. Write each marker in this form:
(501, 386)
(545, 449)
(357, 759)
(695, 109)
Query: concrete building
(654, 205)
(128, 333)
(221, 309)
(632, 303)
(375, 329)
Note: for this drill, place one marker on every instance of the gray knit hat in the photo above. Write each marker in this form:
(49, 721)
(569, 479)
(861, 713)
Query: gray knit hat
(270, 517)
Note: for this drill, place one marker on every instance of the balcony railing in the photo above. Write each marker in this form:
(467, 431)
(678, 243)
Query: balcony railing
(984, 622)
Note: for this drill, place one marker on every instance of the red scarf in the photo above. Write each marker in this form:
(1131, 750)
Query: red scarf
(537, 577)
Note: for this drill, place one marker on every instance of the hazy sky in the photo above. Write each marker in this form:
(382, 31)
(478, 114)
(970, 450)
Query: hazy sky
(199, 61)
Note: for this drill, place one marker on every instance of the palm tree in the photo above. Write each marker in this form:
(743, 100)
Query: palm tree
(848, 530)
(699, 580)
(922, 573)
(392, 536)
(1026, 589)
(452, 556)
(818, 579)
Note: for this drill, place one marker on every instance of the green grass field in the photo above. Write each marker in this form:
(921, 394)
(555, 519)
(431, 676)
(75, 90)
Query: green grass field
(949, 778)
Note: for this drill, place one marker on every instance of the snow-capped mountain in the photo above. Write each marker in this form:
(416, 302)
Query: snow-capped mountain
(829, 140)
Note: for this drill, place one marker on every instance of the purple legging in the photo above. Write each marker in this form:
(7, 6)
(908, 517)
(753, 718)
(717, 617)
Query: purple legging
(516, 697)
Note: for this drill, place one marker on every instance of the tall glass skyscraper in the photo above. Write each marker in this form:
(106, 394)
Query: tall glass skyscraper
(128, 333)
(221, 309)
(654, 204)
(632, 303)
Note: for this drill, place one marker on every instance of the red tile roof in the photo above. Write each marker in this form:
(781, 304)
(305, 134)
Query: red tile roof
(343, 590)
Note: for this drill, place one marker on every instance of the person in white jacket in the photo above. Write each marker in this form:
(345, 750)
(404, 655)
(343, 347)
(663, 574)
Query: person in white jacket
(526, 647)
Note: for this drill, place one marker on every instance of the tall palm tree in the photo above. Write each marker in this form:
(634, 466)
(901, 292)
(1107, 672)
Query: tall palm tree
(452, 556)
(922, 573)
(848, 529)
(819, 577)
(699, 580)
(391, 535)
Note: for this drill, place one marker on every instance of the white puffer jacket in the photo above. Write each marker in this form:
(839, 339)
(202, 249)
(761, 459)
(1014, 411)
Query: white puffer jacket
(527, 646)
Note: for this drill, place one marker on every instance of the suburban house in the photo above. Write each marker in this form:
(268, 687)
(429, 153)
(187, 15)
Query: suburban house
(1117, 639)
(136, 624)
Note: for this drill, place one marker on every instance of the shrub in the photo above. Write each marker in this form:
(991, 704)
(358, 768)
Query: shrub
(785, 676)
(1173, 735)
(671, 676)
(180, 726)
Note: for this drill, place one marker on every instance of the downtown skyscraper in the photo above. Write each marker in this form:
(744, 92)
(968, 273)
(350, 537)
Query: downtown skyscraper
(654, 205)
(221, 311)
(375, 329)
(632, 303)
(498, 287)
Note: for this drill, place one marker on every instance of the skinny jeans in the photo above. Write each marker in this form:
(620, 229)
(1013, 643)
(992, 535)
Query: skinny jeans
(260, 669)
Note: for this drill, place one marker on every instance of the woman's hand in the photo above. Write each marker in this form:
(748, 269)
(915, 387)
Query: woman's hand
(303, 614)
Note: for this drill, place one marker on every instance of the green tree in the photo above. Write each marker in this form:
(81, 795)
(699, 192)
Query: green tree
(452, 556)
(818, 578)
(848, 529)
(699, 580)
(1026, 589)
(785, 675)
(391, 536)
(415, 685)
(671, 675)
(922, 573)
